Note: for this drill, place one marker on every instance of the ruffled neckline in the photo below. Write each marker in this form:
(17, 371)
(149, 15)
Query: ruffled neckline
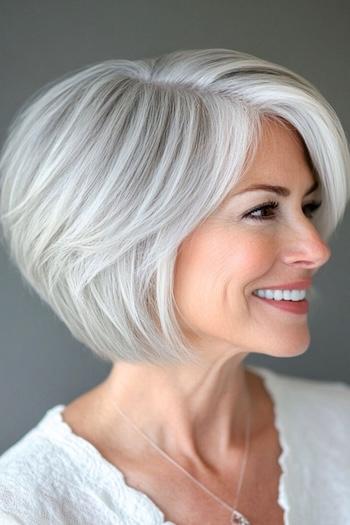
(143, 505)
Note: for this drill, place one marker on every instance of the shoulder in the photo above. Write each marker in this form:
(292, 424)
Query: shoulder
(313, 422)
(326, 396)
(31, 473)
(23, 471)
(52, 476)
(335, 394)
(323, 407)
(319, 407)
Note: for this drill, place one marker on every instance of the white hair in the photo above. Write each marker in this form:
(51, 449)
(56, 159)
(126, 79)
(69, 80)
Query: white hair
(106, 171)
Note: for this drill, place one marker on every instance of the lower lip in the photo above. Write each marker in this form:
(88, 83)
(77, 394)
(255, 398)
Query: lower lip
(295, 307)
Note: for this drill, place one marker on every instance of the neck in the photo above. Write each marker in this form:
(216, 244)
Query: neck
(197, 413)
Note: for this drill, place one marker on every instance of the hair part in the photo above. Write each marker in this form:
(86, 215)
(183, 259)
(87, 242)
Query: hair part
(106, 171)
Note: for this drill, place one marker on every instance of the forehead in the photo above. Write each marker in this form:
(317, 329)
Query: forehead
(281, 157)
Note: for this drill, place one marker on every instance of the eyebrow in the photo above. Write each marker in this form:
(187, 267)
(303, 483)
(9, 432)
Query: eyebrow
(279, 190)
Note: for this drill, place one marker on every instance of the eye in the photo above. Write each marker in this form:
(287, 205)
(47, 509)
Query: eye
(312, 207)
(255, 213)
(265, 211)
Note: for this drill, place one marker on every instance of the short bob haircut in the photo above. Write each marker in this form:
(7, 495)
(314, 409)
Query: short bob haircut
(106, 171)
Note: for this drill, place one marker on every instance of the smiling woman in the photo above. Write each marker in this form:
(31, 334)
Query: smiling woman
(173, 211)
(215, 284)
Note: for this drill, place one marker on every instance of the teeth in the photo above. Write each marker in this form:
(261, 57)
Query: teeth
(282, 295)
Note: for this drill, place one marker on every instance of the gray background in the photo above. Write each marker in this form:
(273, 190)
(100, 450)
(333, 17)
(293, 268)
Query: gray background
(41, 364)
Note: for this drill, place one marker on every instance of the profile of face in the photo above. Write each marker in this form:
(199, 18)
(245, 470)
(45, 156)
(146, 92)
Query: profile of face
(247, 245)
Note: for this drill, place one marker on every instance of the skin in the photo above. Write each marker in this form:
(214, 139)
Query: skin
(198, 414)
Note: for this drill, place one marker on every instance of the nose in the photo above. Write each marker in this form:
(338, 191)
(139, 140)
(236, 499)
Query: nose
(305, 247)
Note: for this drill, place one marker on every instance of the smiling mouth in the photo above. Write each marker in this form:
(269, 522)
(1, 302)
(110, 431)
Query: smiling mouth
(296, 307)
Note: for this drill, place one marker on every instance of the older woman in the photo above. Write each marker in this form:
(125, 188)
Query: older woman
(173, 212)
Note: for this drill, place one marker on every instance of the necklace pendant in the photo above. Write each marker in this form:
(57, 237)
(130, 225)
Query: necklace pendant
(238, 519)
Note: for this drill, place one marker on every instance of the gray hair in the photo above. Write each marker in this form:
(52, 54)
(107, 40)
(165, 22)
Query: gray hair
(105, 172)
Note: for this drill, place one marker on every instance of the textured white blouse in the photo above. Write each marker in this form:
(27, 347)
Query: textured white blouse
(52, 476)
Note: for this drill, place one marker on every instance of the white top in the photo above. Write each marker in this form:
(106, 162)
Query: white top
(52, 476)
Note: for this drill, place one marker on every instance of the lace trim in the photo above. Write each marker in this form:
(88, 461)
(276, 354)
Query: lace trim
(269, 379)
(144, 502)
(141, 503)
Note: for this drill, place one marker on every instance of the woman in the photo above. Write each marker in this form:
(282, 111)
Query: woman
(173, 212)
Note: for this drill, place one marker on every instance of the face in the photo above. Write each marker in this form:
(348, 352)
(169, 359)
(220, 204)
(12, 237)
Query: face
(237, 251)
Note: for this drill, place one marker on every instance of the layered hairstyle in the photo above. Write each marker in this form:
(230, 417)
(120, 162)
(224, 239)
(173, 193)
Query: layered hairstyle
(107, 170)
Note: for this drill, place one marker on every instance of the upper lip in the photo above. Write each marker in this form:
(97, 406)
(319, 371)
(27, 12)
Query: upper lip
(297, 285)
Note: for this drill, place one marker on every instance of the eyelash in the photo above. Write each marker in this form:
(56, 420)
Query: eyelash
(312, 206)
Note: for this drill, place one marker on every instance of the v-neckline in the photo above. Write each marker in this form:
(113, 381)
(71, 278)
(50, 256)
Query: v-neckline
(142, 502)
(269, 379)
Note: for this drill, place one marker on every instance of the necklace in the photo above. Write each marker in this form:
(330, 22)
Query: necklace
(236, 516)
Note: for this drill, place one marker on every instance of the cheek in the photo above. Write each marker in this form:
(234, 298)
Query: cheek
(197, 264)
(212, 269)
(254, 256)
(200, 276)
(252, 260)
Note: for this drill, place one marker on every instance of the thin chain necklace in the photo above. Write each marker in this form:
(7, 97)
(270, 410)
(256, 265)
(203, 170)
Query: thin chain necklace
(236, 516)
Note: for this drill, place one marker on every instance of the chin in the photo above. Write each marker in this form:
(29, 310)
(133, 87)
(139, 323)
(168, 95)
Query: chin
(292, 351)
(288, 348)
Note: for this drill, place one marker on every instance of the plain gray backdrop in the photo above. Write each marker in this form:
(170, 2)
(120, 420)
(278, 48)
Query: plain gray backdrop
(41, 364)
